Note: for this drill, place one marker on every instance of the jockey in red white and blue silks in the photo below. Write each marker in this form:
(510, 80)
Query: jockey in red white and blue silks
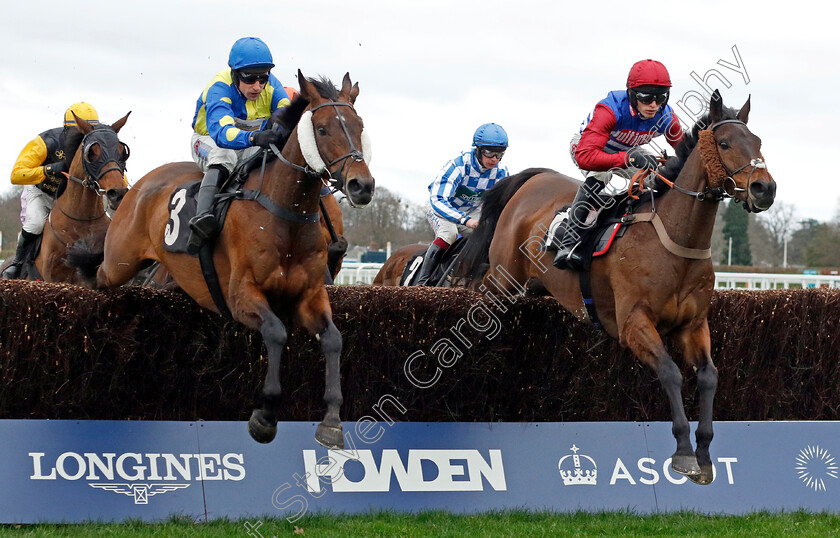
(455, 195)
(609, 143)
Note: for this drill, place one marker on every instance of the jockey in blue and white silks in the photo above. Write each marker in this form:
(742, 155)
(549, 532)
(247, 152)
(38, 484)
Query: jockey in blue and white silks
(461, 185)
(455, 195)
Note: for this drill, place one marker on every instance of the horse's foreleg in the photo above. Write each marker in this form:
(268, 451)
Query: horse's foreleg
(263, 423)
(329, 433)
(698, 350)
(640, 335)
(315, 314)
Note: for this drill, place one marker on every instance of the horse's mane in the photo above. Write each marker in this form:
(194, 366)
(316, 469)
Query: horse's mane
(674, 166)
(72, 139)
(325, 87)
(474, 258)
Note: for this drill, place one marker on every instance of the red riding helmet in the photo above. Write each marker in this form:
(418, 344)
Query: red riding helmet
(647, 73)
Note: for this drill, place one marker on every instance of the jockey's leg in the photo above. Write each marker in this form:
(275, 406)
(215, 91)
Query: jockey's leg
(430, 261)
(586, 199)
(23, 254)
(203, 224)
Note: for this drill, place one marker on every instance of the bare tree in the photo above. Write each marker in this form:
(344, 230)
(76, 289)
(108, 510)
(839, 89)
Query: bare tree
(780, 221)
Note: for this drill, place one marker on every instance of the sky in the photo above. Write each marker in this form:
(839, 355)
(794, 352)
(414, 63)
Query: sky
(430, 72)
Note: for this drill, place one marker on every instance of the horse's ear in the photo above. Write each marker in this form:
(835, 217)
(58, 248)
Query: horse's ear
(82, 124)
(744, 113)
(354, 92)
(307, 90)
(346, 87)
(715, 108)
(120, 122)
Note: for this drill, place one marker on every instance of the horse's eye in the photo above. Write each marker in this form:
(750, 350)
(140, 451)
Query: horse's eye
(124, 152)
(322, 131)
(724, 145)
(92, 152)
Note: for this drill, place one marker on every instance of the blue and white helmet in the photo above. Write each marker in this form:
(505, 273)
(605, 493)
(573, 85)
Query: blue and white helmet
(490, 134)
(250, 53)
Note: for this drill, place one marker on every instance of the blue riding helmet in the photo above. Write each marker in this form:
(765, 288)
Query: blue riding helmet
(490, 134)
(250, 52)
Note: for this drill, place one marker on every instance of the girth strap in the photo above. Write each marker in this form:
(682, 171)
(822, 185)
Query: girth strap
(667, 242)
(282, 212)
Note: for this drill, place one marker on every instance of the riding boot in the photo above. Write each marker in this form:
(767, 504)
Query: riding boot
(26, 241)
(586, 199)
(430, 263)
(203, 224)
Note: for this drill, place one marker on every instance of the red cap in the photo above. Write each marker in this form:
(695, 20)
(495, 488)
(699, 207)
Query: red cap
(648, 72)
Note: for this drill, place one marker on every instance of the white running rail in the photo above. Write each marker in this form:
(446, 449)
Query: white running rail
(363, 273)
(768, 281)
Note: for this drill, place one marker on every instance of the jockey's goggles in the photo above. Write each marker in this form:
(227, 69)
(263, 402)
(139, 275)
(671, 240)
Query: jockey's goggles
(648, 98)
(250, 78)
(493, 152)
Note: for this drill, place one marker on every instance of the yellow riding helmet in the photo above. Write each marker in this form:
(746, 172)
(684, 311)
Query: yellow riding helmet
(82, 110)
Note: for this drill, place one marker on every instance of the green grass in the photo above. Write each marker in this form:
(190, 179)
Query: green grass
(440, 524)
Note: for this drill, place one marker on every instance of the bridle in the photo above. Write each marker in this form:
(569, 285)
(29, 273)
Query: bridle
(721, 184)
(109, 144)
(316, 167)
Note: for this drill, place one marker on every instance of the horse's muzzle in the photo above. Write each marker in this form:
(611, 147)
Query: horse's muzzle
(360, 191)
(114, 197)
(762, 193)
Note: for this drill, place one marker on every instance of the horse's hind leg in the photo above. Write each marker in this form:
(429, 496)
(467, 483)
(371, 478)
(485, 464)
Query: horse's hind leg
(640, 335)
(263, 423)
(698, 350)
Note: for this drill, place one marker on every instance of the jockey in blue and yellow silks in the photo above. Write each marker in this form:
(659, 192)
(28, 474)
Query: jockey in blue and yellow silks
(229, 116)
(455, 195)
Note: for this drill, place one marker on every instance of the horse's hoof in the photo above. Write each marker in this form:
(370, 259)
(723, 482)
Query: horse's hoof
(705, 477)
(260, 430)
(329, 436)
(686, 465)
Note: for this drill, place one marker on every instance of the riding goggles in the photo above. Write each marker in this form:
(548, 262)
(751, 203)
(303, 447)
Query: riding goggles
(493, 152)
(648, 98)
(250, 78)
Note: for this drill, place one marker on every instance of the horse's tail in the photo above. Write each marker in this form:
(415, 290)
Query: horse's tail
(475, 257)
(86, 256)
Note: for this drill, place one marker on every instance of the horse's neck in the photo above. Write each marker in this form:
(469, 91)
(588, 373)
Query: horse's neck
(78, 201)
(291, 188)
(688, 220)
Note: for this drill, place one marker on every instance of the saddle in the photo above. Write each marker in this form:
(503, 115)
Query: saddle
(443, 270)
(182, 203)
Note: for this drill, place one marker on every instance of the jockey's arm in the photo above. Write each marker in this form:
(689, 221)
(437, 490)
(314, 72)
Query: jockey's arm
(28, 168)
(221, 125)
(590, 154)
(442, 190)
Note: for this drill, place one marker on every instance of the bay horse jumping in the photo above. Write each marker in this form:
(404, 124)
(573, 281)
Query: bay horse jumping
(641, 288)
(95, 180)
(271, 255)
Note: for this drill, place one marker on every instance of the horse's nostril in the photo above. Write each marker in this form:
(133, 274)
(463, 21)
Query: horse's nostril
(761, 189)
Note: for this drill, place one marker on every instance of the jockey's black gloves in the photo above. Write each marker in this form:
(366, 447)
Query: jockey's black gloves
(54, 170)
(264, 138)
(641, 159)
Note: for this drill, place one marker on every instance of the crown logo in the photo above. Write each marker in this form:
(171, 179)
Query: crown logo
(578, 470)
